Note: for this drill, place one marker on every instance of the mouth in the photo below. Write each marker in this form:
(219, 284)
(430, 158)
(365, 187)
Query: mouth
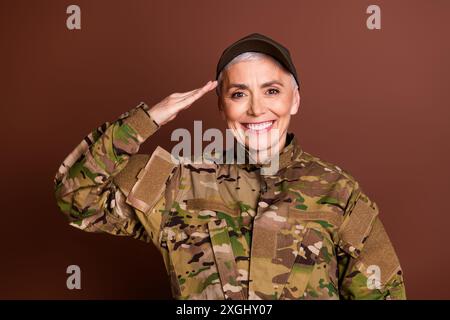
(258, 127)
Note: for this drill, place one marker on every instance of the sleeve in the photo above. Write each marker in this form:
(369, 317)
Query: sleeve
(86, 187)
(368, 266)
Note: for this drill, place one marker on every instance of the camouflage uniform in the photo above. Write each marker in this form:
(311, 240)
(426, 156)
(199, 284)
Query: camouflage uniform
(227, 231)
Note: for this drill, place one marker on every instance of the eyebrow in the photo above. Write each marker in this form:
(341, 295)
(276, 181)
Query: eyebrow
(244, 86)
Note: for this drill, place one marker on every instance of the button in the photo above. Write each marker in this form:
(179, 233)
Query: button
(263, 204)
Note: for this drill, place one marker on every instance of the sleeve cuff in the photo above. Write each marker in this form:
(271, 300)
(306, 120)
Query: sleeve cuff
(141, 122)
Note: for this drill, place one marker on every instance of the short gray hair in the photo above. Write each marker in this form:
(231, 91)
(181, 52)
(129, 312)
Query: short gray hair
(249, 56)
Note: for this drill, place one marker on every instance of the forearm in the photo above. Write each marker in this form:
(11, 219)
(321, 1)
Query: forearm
(83, 184)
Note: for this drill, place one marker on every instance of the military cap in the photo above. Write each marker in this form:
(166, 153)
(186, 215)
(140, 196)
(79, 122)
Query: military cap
(256, 42)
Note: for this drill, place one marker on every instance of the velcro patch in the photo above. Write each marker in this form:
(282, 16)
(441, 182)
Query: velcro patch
(357, 226)
(151, 181)
(378, 251)
(127, 177)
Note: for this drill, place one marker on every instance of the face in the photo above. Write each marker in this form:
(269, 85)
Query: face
(257, 102)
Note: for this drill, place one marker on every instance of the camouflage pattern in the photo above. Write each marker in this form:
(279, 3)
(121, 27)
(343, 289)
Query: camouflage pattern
(226, 231)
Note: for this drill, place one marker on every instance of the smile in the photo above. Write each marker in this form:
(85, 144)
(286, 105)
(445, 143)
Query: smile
(259, 126)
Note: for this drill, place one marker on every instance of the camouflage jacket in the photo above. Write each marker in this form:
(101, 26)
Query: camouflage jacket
(227, 231)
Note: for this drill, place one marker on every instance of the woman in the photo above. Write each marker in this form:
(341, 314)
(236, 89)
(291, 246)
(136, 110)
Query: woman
(302, 230)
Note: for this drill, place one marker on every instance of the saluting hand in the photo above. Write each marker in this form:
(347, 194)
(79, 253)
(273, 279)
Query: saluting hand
(168, 109)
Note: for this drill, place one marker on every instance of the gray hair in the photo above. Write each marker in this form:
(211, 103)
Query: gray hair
(250, 56)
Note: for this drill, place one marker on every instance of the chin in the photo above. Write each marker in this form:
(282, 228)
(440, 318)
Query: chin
(259, 145)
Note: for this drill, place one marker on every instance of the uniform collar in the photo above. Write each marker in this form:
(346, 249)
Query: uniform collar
(287, 156)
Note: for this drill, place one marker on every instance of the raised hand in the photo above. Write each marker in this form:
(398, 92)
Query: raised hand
(168, 109)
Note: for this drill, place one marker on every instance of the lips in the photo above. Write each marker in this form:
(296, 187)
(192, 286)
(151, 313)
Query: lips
(259, 127)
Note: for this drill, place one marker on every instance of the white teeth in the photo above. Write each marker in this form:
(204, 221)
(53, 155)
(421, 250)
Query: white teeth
(259, 126)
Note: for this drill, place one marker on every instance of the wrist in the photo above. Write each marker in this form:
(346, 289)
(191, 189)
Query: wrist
(154, 116)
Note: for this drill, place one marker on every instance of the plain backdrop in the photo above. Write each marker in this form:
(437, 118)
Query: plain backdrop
(374, 102)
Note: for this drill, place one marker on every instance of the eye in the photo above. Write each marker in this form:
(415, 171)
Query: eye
(273, 91)
(237, 94)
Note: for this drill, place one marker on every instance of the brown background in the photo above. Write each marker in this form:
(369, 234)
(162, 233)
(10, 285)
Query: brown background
(375, 103)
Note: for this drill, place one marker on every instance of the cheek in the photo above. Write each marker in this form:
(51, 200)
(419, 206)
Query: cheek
(282, 108)
(233, 112)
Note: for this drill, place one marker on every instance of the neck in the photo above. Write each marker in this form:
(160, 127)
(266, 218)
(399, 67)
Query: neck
(263, 156)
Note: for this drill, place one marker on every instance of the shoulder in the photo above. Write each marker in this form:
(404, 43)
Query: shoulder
(319, 166)
(325, 182)
(345, 189)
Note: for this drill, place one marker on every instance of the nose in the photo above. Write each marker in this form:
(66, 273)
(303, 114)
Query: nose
(256, 106)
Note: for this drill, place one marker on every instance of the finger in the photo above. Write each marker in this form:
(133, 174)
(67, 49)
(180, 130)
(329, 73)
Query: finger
(187, 101)
(196, 94)
(184, 94)
(213, 84)
(190, 98)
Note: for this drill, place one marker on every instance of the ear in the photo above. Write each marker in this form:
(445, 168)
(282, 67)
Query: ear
(296, 104)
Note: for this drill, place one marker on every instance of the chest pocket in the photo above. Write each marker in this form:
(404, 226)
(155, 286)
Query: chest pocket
(314, 271)
(201, 250)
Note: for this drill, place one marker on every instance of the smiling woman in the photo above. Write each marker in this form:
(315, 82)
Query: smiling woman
(304, 230)
(256, 96)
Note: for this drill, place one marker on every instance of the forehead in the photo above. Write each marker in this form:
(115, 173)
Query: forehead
(262, 70)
